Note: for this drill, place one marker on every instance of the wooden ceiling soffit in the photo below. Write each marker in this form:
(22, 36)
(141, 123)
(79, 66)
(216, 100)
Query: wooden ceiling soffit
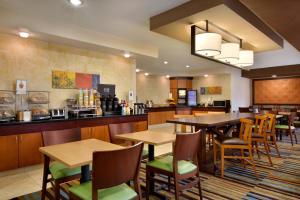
(279, 71)
(231, 15)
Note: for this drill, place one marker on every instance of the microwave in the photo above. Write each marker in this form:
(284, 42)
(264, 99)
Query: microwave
(221, 103)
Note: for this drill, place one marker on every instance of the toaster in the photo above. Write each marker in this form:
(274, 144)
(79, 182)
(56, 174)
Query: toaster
(57, 113)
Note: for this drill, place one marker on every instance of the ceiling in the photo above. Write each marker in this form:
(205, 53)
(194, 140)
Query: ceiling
(108, 25)
(282, 15)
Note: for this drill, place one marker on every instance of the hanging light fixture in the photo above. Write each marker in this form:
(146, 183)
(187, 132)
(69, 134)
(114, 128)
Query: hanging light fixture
(208, 44)
(229, 53)
(246, 58)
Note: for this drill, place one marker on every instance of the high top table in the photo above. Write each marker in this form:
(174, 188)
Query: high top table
(211, 123)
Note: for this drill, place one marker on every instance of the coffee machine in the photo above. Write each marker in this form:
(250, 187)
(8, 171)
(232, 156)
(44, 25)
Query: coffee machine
(109, 101)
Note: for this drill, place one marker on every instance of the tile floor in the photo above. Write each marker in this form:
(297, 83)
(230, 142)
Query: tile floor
(26, 180)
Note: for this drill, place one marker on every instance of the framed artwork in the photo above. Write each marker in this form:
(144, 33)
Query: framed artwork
(217, 90)
(21, 87)
(63, 80)
(73, 80)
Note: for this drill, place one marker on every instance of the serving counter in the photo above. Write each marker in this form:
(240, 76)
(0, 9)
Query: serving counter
(20, 141)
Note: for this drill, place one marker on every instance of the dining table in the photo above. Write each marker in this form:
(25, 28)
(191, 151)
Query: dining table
(211, 124)
(75, 154)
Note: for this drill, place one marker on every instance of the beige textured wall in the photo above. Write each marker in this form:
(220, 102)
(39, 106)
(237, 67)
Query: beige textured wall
(34, 61)
(223, 80)
(155, 88)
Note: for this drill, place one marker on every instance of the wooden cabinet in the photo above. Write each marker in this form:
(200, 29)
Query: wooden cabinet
(174, 94)
(181, 83)
(160, 117)
(29, 145)
(9, 148)
(189, 84)
(100, 133)
(86, 133)
(173, 84)
(141, 126)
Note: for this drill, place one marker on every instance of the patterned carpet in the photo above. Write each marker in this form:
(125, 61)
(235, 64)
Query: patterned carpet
(281, 181)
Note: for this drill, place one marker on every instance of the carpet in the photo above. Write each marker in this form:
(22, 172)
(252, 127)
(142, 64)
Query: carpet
(279, 182)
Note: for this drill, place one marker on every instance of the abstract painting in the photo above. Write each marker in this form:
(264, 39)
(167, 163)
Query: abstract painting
(63, 80)
(211, 90)
(73, 80)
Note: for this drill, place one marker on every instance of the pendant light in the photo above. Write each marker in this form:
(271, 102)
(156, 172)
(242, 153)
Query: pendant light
(208, 44)
(229, 53)
(246, 58)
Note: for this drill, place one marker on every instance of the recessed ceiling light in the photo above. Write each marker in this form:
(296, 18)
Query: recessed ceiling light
(274, 76)
(24, 34)
(187, 66)
(75, 2)
(168, 76)
(137, 70)
(205, 75)
(146, 74)
(127, 55)
(165, 62)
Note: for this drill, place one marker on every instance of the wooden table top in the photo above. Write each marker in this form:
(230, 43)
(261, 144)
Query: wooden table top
(76, 154)
(149, 137)
(212, 120)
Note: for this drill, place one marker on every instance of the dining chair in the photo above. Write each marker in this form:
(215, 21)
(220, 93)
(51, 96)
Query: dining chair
(112, 170)
(182, 165)
(289, 129)
(259, 136)
(271, 132)
(58, 171)
(122, 128)
(244, 142)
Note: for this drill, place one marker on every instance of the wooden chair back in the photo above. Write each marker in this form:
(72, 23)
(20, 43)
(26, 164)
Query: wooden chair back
(112, 168)
(246, 130)
(60, 136)
(117, 129)
(260, 124)
(186, 147)
(271, 122)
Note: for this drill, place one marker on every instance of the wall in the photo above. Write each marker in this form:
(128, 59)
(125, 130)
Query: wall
(222, 80)
(34, 61)
(155, 88)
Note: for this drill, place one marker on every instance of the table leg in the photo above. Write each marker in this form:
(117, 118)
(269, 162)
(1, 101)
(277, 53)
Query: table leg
(151, 158)
(85, 174)
(202, 150)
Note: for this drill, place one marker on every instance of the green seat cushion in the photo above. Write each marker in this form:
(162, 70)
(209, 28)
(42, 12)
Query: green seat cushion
(120, 192)
(59, 170)
(281, 126)
(166, 163)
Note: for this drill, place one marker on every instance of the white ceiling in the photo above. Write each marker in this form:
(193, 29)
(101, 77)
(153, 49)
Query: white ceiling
(111, 25)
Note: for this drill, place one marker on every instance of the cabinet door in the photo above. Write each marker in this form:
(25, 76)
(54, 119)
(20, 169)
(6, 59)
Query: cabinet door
(141, 126)
(100, 133)
(29, 145)
(174, 94)
(181, 83)
(86, 133)
(8, 152)
(189, 84)
(173, 84)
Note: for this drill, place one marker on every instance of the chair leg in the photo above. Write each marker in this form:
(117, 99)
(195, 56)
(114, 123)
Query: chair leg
(243, 160)
(222, 162)
(267, 152)
(169, 183)
(256, 148)
(45, 176)
(275, 144)
(57, 190)
(253, 163)
(215, 153)
(199, 188)
(295, 137)
(147, 184)
(177, 192)
(290, 133)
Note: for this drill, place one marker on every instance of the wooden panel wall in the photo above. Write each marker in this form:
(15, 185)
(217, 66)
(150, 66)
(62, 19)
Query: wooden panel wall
(277, 91)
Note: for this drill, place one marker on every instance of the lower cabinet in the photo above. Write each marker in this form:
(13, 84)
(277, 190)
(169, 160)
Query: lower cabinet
(160, 117)
(20, 150)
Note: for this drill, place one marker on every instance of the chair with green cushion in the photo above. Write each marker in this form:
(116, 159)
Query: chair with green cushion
(289, 129)
(58, 171)
(111, 171)
(122, 128)
(182, 165)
